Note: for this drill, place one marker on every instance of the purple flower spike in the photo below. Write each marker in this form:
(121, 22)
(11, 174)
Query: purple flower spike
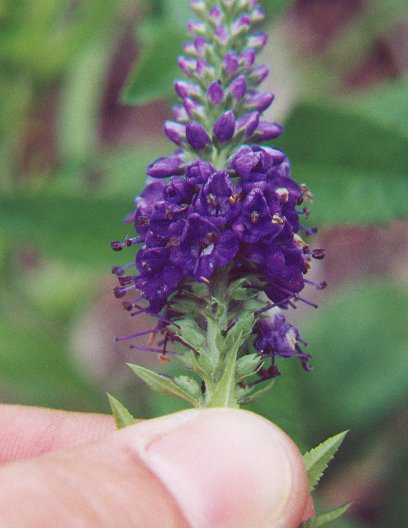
(268, 130)
(248, 122)
(260, 101)
(164, 167)
(176, 132)
(225, 214)
(224, 127)
(260, 73)
(238, 87)
(215, 93)
(197, 136)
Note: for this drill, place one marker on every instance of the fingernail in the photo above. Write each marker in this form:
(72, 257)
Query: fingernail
(226, 468)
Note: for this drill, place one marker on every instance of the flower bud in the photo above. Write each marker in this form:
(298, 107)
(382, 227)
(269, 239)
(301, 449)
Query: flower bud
(215, 93)
(238, 87)
(224, 127)
(197, 135)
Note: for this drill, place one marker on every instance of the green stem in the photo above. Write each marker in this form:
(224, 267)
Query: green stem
(221, 392)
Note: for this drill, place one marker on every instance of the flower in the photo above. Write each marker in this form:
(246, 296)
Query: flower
(275, 337)
(219, 211)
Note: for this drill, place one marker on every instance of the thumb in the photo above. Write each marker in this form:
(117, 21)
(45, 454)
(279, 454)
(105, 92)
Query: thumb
(217, 468)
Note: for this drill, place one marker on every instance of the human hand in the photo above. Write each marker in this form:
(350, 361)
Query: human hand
(217, 468)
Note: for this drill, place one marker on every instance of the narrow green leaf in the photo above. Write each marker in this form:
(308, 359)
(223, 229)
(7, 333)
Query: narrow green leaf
(224, 393)
(326, 518)
(122, 416)
(161, 384)
(253, 396)
(318, 459)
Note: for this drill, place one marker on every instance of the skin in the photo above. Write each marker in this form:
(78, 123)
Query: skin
(217, 468)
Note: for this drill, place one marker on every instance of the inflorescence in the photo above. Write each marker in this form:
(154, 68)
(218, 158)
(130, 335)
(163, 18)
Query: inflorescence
(222, 214)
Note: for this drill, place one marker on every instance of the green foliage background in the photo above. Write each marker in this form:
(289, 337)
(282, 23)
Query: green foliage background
(351, 149)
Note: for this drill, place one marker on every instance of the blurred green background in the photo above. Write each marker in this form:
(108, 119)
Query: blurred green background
(85, 87)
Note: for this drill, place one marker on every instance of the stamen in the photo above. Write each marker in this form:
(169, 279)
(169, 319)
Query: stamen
(317, 285)
(120, 270)
(139, 334)
(276, 305)
(278, 219)
(120, 292)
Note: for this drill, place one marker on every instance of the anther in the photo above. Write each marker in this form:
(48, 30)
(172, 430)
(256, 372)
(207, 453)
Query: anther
(255, 217)
(211, 198)
(318, 254)
(234, 199)
(278, 219)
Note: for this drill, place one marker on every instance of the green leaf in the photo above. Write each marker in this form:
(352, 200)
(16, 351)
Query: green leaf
(360, 357)
(73, 228)
(224, 393)
(80, 102)
(240, 331)
(317, 459)
(162, 384)
(327, 518)
(247, 365)
(238, 290)
(122, 416)
(353, 163)
(190, 333)
(257, 394)
(157, 67)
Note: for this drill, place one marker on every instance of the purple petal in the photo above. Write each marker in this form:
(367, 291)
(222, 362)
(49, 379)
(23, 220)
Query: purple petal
(187, 65)
(197, 135)
(176, 132)
(268, 130)
(260, 101)
(258, 41)
(192, 108)
(238, 87)
(231, 63)
(248, 57)
(224, 127)
(215, 93)
(186, 89)
(164, 167)
(249, 123)
(260, 73)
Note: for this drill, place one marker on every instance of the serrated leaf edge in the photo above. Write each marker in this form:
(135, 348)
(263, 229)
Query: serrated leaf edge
(318, 458)
(323, 520)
